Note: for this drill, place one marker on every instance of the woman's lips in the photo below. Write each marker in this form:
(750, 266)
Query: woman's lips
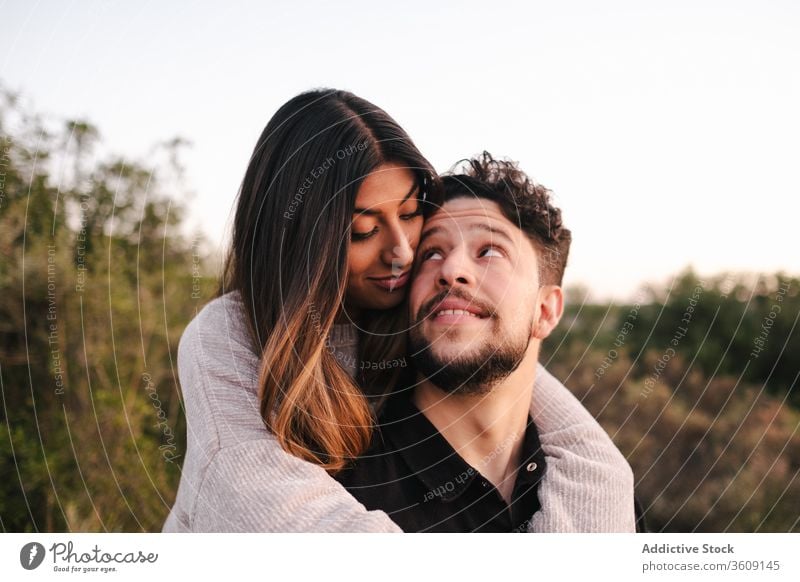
(391, 283)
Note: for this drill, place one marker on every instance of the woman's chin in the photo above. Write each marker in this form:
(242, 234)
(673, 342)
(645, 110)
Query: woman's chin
(390, 301)
(384, 300)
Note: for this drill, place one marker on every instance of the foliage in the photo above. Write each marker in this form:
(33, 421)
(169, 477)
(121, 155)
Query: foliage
(697, 383)
(96, 285)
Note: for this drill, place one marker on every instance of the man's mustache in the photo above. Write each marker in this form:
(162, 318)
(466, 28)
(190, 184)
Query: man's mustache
(487, 310)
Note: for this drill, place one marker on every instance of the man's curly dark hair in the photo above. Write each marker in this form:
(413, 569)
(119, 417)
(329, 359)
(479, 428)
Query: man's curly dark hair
(522, 201)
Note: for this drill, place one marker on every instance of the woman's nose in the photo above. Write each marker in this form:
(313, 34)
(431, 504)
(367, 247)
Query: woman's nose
(400, 254)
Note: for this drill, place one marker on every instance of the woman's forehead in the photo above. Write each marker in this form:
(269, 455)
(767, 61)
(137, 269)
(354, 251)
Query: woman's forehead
(387, 184)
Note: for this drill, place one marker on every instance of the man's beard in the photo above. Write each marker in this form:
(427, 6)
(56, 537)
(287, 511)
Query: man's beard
(477, 370)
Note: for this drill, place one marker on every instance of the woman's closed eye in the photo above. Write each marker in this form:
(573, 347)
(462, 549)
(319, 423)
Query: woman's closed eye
(363, 235)
(354, 235)
(411, 215)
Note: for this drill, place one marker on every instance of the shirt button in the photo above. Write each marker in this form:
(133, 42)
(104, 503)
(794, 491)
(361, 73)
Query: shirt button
(531, 467)
(484, 484)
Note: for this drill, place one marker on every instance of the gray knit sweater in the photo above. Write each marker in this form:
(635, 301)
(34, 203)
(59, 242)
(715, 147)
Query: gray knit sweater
(237, 478)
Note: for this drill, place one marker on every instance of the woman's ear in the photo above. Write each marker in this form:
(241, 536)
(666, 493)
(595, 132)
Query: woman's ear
(551, 307)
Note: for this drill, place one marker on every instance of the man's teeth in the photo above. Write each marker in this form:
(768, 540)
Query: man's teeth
(456, 312)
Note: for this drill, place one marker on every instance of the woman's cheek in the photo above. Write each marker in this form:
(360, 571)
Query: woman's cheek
(415, 230)
(359, 258)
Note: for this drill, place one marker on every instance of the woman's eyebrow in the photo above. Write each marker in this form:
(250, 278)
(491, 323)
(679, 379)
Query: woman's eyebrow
(369, 212)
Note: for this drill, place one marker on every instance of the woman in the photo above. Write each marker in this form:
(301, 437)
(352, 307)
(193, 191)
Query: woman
(310, 311)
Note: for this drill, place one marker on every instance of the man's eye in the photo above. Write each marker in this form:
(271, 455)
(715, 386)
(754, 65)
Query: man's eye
(432, 254)
(495, 252)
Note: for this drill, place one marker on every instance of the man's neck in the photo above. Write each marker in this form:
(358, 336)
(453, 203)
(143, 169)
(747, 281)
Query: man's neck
(487, 430)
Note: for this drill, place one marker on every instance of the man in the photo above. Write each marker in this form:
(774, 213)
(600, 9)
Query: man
(457, 449)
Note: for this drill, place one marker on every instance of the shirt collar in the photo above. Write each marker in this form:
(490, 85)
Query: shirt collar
(445, 474)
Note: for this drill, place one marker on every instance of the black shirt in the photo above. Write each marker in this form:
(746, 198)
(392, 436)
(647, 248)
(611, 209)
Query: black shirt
(413, 474)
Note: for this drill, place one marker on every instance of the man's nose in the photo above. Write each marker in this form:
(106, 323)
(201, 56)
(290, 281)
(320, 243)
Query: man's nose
(455, 270)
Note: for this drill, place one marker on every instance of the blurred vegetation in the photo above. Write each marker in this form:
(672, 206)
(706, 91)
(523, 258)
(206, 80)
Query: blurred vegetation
(98, 280)
(697, 383)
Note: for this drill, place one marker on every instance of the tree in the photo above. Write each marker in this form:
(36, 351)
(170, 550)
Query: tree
(96, 284)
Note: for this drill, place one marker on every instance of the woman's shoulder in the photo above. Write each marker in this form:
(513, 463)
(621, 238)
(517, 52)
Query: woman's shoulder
(218, 372)
(218, 322)
(216, 344)
(227, 307)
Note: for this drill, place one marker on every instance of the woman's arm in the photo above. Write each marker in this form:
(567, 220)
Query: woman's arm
(588, 483)
(236, 477)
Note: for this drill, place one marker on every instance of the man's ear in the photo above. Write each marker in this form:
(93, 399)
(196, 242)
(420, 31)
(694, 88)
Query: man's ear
(551, 308)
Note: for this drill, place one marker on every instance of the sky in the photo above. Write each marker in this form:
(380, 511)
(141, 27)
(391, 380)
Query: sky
(669, 132)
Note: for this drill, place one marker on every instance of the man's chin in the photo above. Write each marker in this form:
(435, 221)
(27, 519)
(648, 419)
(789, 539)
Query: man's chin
(459, 369)
(466, 367)
(456, 340)
(455, 353)
(456, 377)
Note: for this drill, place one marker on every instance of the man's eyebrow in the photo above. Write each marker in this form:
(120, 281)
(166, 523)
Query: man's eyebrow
(494, 230)
(476, 226)
(369, 212)
(431, 231)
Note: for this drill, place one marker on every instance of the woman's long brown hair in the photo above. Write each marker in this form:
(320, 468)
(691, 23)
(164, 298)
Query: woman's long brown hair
(288, 263)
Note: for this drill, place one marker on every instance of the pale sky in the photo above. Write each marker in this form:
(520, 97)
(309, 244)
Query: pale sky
(669, 131)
